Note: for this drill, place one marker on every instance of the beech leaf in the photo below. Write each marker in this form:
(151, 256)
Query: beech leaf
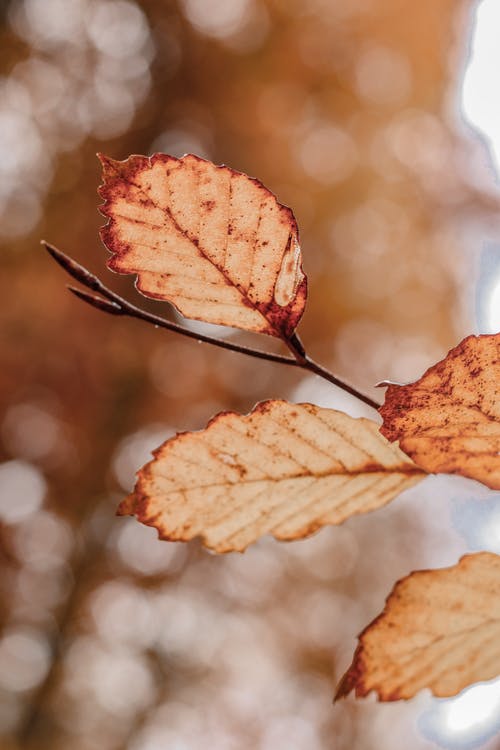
(213, 242)
(284, 469)
(439, 630)
(449, 420)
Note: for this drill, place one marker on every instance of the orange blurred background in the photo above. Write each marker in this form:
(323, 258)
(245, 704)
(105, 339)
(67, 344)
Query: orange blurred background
(348, 110)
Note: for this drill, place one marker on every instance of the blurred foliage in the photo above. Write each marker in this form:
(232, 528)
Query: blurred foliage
(347, 110)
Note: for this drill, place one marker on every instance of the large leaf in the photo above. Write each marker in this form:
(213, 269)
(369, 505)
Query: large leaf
(285, 469)
(449, 420)
(440, 629)
(212, 241)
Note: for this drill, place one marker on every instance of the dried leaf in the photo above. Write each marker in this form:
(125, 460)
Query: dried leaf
(285, 469)
(449, 420)
(439, 630)
(213, 242)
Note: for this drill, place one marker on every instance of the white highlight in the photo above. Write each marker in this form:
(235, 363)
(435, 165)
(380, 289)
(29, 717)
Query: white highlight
(466, 721)
(493, 313)
(480, 99)
(473, 716)
(472, 709)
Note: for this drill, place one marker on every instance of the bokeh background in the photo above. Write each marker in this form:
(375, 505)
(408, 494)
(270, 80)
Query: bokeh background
(354, 113)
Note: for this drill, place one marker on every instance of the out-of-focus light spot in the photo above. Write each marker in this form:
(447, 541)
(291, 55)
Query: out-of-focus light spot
(383, 76)
(89, 78)
(30, 432)
(375, 226)
(43, 541)
(480, 99)
(46, 23)
(21, 141)
(152, 738)
(46, 85)
(24, 659)
(118, 28)
(252, 33)
(123, 615)
(140, 550)
(40, 592)
(385, 357)
(118, 680)
(493, 317)
(22, 490)
(466, 721)
(254, 577)
(123, 682)
(217, 18)
(314, 390)
(19, 214)
(135, 450)
(250, 647)
(113, 70)
(411, 356)
(291, 732)
(418, 140)
(371, 338)
(178, 726)
(106, 110)
(327, 154)
(329, 555)
(15, 96)
(300, 694)
(327, 621)
(189, 625)
(190, 138)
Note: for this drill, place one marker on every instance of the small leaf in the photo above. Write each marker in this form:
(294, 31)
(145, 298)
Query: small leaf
(449, 420)
(284, 469)
(213, 242)
(439, 630)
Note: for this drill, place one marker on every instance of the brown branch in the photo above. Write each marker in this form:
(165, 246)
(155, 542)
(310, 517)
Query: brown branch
(110, 302)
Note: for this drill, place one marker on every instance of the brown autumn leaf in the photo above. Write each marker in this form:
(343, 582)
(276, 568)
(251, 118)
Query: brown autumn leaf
(284, 469)
(213, 242)
(439, 630)
(449, 420)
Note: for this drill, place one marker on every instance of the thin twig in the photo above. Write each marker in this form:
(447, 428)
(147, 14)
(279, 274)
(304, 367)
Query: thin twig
(317, 369)
(112, 303)
(120, 306)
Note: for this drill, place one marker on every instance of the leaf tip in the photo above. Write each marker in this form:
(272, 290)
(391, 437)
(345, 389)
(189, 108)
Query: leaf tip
(352, 678)
(127, 506)
(103, 158)
(110, 167)
(343, 689)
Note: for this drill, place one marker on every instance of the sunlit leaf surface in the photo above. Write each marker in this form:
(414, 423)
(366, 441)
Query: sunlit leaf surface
(439, 630)
(285, 469)
(212, 241)
(449, 420)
